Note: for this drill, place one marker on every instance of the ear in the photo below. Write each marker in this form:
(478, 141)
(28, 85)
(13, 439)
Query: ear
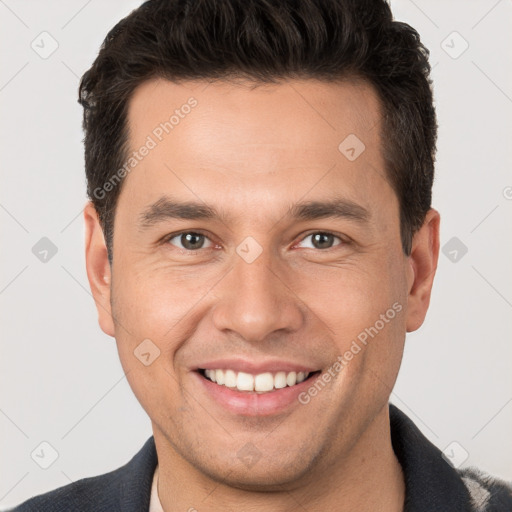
(422, 268)
(98, 268)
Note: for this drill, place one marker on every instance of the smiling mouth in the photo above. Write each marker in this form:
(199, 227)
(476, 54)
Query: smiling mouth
(267, 382)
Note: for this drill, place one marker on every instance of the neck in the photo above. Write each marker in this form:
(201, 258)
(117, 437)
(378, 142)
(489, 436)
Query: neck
(367, 478)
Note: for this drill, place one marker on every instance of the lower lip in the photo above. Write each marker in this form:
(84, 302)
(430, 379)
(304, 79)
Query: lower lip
(255, 404)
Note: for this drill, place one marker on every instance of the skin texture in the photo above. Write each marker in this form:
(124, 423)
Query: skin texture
(252, 152)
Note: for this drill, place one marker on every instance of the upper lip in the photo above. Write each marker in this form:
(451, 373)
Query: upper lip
(255, 367)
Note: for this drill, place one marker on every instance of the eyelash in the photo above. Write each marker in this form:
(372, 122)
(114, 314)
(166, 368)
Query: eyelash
(168, 238)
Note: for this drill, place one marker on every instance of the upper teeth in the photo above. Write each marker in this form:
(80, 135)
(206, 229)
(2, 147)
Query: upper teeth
(261, 382)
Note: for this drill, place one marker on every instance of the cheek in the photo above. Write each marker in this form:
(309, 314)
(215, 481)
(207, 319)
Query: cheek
(156, 312)
(363, 309)
(154, 303)
(148, 314)
(348, 298)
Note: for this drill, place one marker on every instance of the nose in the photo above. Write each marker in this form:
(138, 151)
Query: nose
(255, 301)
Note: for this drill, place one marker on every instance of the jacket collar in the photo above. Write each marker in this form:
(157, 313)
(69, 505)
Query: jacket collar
(137, 477)
(431, 483)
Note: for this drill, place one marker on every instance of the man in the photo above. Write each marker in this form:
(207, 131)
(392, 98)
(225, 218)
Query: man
(259, 240)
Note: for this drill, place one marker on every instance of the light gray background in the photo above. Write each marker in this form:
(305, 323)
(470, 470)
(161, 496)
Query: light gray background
(61, 381)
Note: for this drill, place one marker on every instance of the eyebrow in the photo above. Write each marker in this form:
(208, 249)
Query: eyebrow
(167, 208)
(334, 208)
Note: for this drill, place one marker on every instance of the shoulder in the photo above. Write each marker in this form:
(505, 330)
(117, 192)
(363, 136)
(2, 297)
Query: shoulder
(433, 483)
(488, 493)
(124, 489)
(94, 493)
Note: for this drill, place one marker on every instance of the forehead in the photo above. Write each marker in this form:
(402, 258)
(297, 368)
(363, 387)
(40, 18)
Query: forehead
(262, 141)
(310, 111)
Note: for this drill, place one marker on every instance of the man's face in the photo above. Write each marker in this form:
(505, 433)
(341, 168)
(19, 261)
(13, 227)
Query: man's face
(263, 284)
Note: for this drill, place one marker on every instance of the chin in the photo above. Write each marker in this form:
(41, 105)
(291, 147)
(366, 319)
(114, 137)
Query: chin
(263, 479)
